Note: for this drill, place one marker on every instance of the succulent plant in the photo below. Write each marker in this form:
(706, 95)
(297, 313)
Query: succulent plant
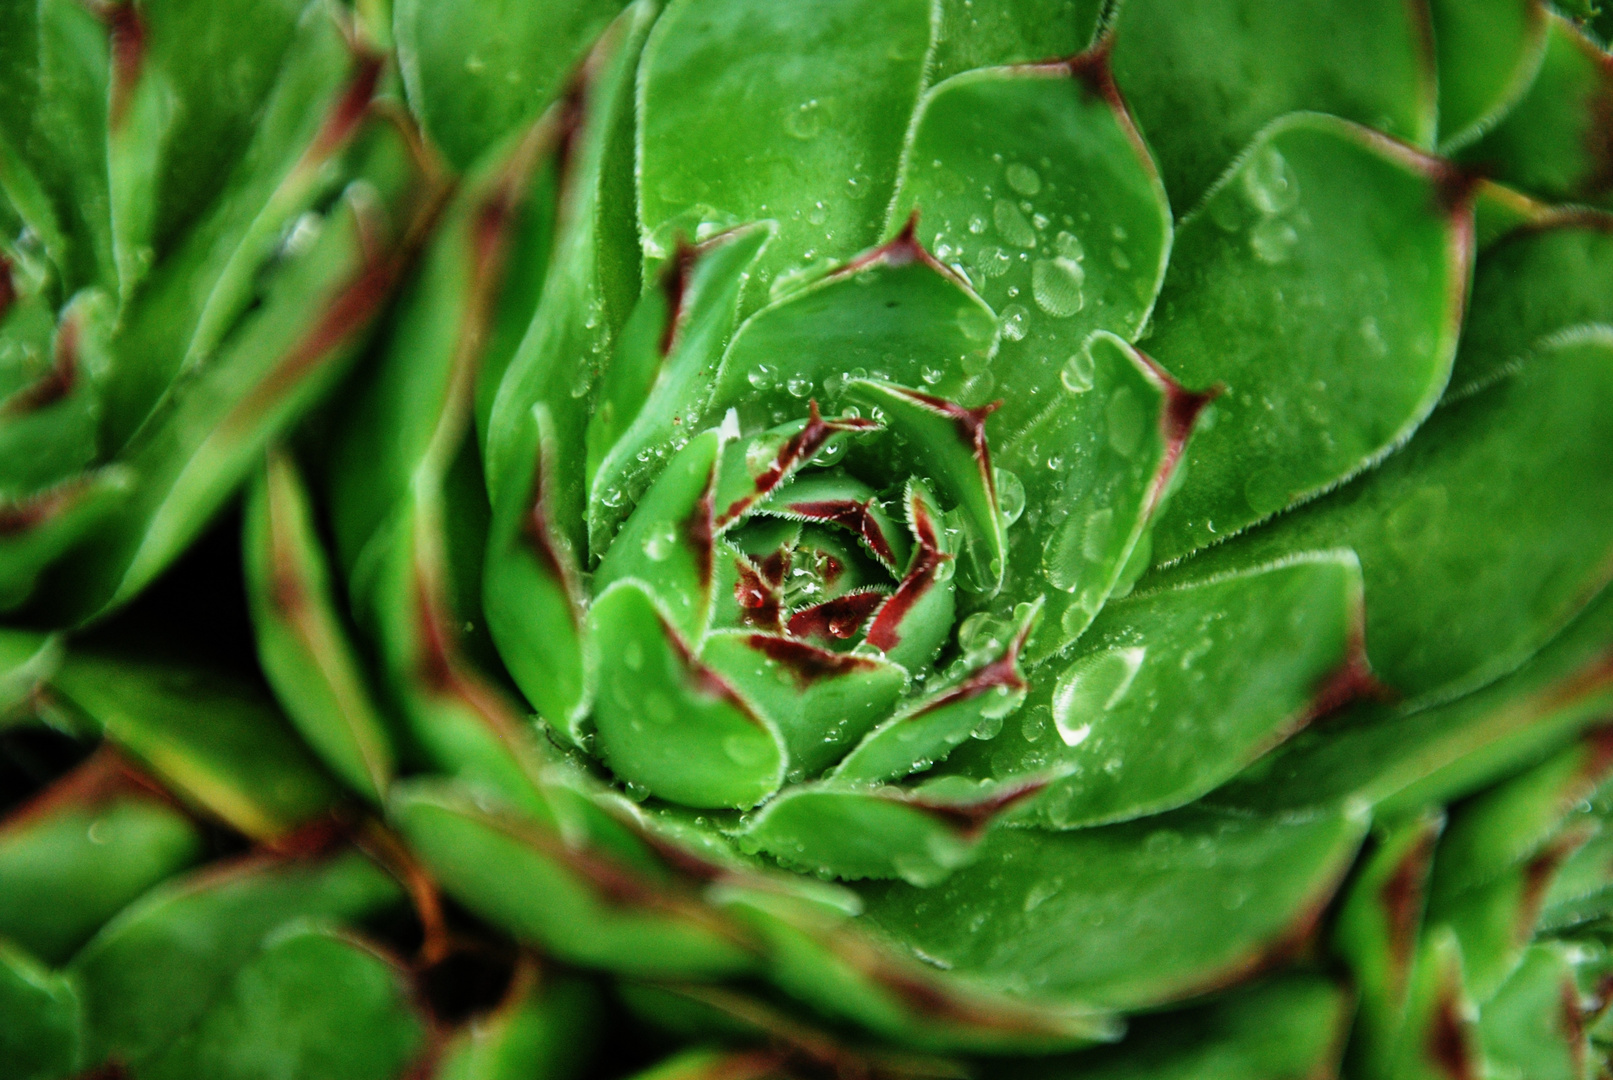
(910, 537)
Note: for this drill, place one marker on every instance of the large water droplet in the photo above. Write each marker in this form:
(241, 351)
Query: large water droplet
(1068, 246)
(1266, 491)
(993, 262)
(1126, 421)
(1023, 179)
(1269, 181)
(1012, 225)
(1077, 373)
(1057, 285)
(762, 376)
(1010, 496)
(1273, 241)
(1091, 687)
(1014, 318)
(806, 120)
(1095, 538)
(661, 543)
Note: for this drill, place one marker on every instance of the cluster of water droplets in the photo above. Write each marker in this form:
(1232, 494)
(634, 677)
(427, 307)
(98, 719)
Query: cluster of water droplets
(1267, 204)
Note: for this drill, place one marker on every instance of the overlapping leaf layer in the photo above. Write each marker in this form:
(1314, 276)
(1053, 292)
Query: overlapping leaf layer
(909, 537)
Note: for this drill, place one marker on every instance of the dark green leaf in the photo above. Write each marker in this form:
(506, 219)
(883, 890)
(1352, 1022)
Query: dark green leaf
(544, 1029)
(1489, 52)
(986, 33)
(1533, 1026)
(41, 1037)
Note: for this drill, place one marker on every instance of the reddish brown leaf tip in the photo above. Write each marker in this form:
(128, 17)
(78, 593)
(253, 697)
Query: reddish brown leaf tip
(807, 664)
(970, 821)
(838, 619)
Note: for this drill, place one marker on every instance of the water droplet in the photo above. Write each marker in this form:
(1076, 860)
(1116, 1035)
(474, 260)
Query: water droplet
(1001, 702)
(475, 64)
(806, 120)
(798, 386)
(977, 224)
(1012, 225)
(1269, 181)
(1095, 538)
(1266, 491)
(994, 262)
(983, 632)
(931, 375)
(1273, 241)
(1373, 336)
(1091, 687)
(1057, 286)
(1023, 179)
(1121, 260)
(1126, 421)
(1013, 319)
(1041, 892)
(990, 726)
(818, 214)
(1010, 496)
(661, 543)
(1068, 246)
(761, 376)
(1077, 373)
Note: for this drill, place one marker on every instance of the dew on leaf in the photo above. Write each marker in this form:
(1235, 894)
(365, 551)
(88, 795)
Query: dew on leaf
(661, 543)
(1010, 496)
(1273, 241)
(1121, 260)
(1012, 225)
(977, 224)
(798, 386)
(993, 262)
(1068, 246)
(1269, 181)
(1095, 538)
(761, 376)
(1023, 179)
(1077, 373)
(1014, 317)
(1126, 421)
(1092, 686)
(1057, 286)
(806, 120)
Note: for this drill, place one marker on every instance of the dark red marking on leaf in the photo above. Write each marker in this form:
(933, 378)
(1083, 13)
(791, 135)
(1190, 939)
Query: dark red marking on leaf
(675, 285)
(1092, 69)
(387, 849)
(970, 820)
(885, 633)
(8, 286)
(850, 514)
(350, 109)
(1183, 407)
(56, 383)
(838, 619)
(23, 515)
(704, 679)
(807, 664)
(104, 776)
(310, 840)
(701, 531)
(1540, 871)
(1449, 1046)
(776, 566)
(1401, 896)
(1599, 132)
(111, 1070)
(1002, 672)
(1598, 745)
(126, 38)
(760, 604)
(541, 539)
(970, 425)
(1350, 682)
(797, 450)
(1571, 1021)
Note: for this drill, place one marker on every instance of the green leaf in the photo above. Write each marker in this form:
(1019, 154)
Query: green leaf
(722, 78)
(41, 1037)
(158, 969)
(475, 71)
(1171, 693)
(1552, 141)
(544, 1029)
(1583, 888)
(54, 522)
(1539, 281)
(1489, 53)
(27, 660)
(313, 1002)
(1377, 931)
(1094, 469)
(1128, 915)
(1481, 539)
(1033, 182)
(946, 443)
(82, 851)
(526, 879)
(1288, 1027)
(725, 754)
(1203, 80)
(820, 702)
(986, 33)
(1321, 284)
(303, 644)
(916, 621)
(1533, 1027)
(894, 313)
(217, 743)
(1440, 1038)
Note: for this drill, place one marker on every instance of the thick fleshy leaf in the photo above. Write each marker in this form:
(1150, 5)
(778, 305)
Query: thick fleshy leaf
(53, 522)
(1513, 821)
(1202, 80)
(1489, 52)
(313, 1002)
(893, 313)
(1331, 327)
(544, 1029)
(668, 722)
(186, 87)
(1289, 1027)
(946, 443)
(1541, 280)
(755, 467)
(48, 430)
(722, 79)
(1093, 470)
(1034, 183)
(1377, 932)
(1128, 915)
(670, 347)
(854, 832)
(1553, 141)
(667, 542)
(1171, 693)
(283, 357)
(1440, 1039)
(218, 744)
(80, 852)
(820, 702)
(1533, 1027)
(41, 1037)
(927, 730)
(912, 625)
(557, 363)
(1495, 921)
(157, 969)
(836, 498)
(1583, 889)
(475, 71)
(582, 906)
(988, 33)
(303, 643)
(27, 660)
(1481, 539)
